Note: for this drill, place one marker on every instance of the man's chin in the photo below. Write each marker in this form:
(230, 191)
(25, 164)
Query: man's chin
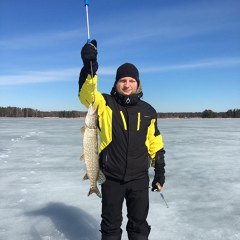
(127, 92)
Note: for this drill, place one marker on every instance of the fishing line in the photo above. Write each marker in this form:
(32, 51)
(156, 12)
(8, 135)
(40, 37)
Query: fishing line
(92, 83)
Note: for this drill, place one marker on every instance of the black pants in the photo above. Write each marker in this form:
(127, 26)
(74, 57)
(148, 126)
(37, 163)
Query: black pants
(137, 200)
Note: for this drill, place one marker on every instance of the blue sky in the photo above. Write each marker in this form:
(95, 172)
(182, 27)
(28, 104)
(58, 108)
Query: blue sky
(187, 52)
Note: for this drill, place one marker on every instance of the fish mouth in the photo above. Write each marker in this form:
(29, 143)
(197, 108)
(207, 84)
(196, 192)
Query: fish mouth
(91, 109)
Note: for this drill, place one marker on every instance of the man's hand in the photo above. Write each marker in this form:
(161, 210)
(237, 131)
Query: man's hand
(89, 53)
(160, 179)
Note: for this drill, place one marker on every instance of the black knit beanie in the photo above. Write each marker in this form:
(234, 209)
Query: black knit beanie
(127, 70)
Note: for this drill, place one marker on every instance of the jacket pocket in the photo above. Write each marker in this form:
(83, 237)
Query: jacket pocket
(103, 162)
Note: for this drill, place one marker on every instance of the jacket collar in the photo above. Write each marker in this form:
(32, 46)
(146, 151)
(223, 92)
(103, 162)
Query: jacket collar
(127, 100)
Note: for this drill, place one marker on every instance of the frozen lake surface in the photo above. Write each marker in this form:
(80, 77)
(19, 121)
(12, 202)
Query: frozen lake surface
(43, 196)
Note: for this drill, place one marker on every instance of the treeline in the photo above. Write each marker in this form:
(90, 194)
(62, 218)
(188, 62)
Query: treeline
(29, 112)
(235, 113)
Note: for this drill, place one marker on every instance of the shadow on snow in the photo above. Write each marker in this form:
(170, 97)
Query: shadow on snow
(73, 222)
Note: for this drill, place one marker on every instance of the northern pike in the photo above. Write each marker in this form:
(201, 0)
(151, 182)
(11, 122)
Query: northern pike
(90, 151)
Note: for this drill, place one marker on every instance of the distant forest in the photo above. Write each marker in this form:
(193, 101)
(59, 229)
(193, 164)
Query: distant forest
(16, 112)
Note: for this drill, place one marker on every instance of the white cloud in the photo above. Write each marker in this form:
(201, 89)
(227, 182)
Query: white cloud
(107, 70)
(163, 24)
(72, 74)
(40, 76)
(210, 63)
(36, 40)
(160, 23)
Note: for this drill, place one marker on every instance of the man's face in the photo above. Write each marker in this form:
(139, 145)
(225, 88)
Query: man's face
(126, 86)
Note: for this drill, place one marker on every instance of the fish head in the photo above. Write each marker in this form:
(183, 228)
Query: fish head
(92, 116)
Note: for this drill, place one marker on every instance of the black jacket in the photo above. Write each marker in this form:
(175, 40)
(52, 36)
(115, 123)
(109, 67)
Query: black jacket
(129, 136)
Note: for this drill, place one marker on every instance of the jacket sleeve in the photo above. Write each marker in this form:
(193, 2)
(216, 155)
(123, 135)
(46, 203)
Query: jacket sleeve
(88, 91)
(155, 142)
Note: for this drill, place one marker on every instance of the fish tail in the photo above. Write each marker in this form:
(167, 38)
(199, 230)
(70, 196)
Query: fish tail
(94, 190)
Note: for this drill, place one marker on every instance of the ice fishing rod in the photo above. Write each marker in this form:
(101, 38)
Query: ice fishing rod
(89, 41)
(88, 31)
(161, 193)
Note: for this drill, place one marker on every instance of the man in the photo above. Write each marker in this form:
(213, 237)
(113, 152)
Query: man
(129, 140)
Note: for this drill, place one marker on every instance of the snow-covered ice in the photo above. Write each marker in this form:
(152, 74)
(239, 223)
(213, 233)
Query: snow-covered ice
(43, 196)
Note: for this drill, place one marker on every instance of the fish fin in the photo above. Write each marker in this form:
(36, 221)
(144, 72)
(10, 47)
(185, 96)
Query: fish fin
(101, 177)
(94, 190)
(85, 177)
(81, 158)
(82, 130)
